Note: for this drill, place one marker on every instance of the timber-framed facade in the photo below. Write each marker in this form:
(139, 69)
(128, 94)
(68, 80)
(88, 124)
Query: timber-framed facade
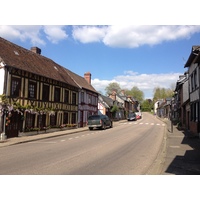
(38, 92)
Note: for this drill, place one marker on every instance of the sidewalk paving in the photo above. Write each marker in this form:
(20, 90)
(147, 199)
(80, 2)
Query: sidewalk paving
(180, 153)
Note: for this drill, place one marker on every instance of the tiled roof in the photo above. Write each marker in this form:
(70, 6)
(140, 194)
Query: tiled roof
(80, 81)
(21, 58)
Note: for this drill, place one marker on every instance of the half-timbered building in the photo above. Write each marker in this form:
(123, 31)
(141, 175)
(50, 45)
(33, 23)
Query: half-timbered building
(35, 91)
(88, 97)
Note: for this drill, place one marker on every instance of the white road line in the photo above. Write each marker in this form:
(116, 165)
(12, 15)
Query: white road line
(63, 140)
(158, 124)
(70, 139)
(174, 146)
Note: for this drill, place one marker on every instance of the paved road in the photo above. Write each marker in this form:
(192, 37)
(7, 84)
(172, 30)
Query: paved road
(128, 148)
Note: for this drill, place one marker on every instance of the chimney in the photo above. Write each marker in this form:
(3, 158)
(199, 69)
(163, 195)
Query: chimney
(87, 77)
(36, 50)
(113, 95)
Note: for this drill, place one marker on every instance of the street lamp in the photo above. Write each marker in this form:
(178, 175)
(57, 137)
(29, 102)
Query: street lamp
(171, 118)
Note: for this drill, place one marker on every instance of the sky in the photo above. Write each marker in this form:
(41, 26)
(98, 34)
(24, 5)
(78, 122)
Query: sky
(146, 56)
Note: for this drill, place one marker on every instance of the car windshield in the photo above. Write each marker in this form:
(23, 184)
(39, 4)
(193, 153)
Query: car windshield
(94, 117)
(131, 115)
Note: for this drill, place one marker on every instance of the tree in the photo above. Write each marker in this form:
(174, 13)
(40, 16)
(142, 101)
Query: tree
(136, 93)
(147, 105)
(113, 86)
(162, 93)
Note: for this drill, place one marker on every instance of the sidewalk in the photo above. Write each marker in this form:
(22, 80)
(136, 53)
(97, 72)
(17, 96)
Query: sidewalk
(181, 154)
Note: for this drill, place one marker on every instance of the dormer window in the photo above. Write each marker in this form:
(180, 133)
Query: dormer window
(16, 53)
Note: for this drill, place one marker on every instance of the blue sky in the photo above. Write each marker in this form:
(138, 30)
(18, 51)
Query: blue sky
(143, 56)
(144, 46)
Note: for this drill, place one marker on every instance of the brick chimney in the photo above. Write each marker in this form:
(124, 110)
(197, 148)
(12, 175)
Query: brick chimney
(87, 77)
(36, 50)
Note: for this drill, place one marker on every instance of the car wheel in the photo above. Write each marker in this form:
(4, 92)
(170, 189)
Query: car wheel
(91, 128)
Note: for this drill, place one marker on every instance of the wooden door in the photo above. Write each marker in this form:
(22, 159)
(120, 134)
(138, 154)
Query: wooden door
(13, 124)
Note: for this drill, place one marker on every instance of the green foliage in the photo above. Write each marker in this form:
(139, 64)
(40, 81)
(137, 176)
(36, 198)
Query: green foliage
(147, 105)
(113, 86)
(114, 109)
(136, 93)
(3, 99)
(162, 93)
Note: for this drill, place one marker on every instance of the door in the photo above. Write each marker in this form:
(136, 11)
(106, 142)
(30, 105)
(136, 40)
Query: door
(81, 118)
(13, 124)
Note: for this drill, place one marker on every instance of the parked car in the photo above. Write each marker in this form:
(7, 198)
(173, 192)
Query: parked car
(131, 117)
(99, 121)
(138, 115)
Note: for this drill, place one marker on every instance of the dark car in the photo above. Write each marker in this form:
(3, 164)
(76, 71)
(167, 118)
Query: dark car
(131, 117)
(99, 121)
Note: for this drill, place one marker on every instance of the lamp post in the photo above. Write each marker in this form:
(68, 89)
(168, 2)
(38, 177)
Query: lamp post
(171, 111)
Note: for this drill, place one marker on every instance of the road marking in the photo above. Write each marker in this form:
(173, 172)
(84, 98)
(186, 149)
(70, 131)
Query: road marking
(141, 123)
(63, 140)
(70, 139)
(174, 146)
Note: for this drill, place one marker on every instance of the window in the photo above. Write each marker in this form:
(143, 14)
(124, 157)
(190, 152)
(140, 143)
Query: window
(195, 79)
(15, 87)
(66, 117)
(32, 90)
(57, 95)
(82, 97)
(30, 120)
(45, 93)
(73, 118)
(74, 98)
(66, 100)
(89, 99)
(53, 119)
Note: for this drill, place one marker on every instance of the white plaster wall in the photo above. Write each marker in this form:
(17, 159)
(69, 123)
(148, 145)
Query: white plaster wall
(2, 73)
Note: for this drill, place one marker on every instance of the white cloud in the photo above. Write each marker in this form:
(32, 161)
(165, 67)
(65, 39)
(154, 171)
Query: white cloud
(55, 33)
(33, 33)
(88, 34)
(145, 82)
(23, 33)
(127, 36)
(131, 36)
